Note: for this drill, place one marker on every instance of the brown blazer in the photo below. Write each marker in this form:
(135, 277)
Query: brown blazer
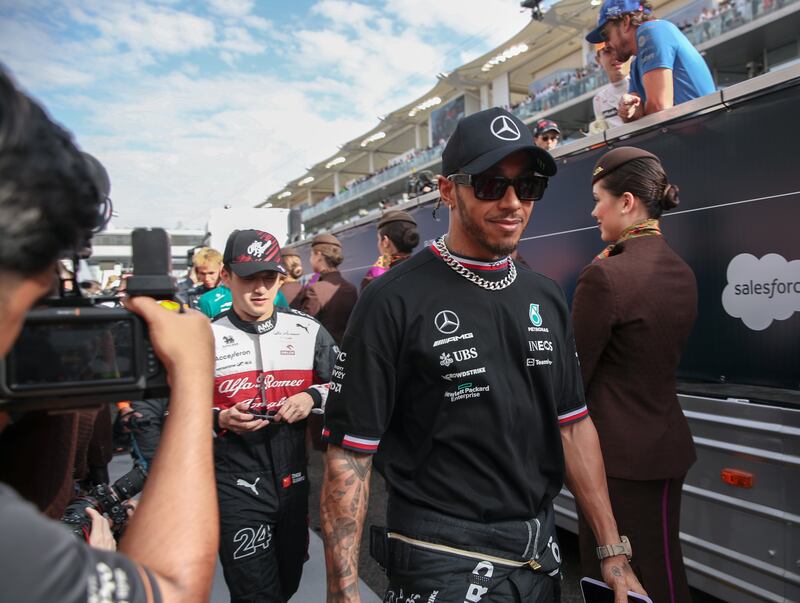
(291, 290)
(632, 314)
(330, 300)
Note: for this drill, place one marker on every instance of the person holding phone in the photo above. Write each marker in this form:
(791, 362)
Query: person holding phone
(273, 366)
(633, 310)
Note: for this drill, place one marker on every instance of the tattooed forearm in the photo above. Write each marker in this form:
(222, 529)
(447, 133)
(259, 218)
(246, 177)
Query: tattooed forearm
(345, 493)
(359, 463)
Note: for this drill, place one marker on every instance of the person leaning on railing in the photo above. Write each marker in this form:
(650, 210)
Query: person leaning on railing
(667, 69)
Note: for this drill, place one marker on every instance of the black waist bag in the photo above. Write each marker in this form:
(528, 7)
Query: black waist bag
(531, 542)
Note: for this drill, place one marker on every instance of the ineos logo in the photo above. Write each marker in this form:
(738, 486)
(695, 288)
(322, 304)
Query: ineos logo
(447, 322)
(504, 128)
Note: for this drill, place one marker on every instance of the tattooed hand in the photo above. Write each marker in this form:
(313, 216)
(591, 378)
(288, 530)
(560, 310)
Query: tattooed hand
(618, 574)
(343, 505)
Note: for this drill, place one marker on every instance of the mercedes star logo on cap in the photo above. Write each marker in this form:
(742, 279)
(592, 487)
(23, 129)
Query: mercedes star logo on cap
(504, 128)
(447, 322)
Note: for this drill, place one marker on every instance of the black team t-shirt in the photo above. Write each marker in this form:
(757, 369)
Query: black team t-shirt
(457, 389)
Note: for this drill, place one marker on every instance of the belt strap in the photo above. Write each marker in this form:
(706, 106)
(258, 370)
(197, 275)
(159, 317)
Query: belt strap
(443, 548)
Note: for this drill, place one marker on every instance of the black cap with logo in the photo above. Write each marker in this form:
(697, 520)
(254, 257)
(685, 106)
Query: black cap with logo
(248, 252)
(485, 138)
(546, 125)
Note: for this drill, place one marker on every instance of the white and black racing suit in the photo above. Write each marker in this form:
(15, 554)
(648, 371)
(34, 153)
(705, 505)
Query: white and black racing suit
(261, 476)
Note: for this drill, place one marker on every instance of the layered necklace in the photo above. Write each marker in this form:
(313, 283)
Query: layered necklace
(468, 274)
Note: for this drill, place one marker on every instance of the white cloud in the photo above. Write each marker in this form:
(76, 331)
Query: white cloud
(141, 26)
(240, 41)
(179, 135)
(345, 14)
(231, 8)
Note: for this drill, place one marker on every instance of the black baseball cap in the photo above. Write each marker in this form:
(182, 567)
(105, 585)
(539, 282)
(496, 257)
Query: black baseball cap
(483, 139)
(248, 252)
(546, 125)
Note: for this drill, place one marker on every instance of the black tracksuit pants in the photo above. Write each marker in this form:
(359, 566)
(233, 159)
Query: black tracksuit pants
(263, 502)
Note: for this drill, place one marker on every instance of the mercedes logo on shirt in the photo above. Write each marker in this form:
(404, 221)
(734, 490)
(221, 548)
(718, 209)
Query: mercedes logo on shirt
(447, 322)
(504, 128)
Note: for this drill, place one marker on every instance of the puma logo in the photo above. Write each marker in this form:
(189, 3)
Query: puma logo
(241, 482)
(304, 327)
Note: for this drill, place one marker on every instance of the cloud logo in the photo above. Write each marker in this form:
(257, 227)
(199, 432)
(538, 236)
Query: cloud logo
(760, 291)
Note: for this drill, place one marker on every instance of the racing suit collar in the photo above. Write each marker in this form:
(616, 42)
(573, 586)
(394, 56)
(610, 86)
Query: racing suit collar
(257, 327)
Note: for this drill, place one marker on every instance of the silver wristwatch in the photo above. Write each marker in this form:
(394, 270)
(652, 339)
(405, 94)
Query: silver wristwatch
(612, 550)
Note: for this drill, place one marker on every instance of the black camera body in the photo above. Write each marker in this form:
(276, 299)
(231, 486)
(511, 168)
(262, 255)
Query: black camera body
(76, 352)
(80, 356)
(107, 500)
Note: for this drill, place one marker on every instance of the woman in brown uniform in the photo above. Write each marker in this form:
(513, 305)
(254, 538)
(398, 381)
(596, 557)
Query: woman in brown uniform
(397, 237)
(633, 310)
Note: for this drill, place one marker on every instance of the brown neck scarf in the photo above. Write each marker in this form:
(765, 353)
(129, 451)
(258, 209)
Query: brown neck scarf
(640, 229)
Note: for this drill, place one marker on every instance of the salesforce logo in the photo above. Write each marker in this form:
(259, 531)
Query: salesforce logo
(760, 291)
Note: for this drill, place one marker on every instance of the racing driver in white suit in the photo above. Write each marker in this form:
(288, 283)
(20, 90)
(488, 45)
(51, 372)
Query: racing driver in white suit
(272, 370)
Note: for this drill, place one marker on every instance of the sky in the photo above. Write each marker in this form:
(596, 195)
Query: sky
(195, 105)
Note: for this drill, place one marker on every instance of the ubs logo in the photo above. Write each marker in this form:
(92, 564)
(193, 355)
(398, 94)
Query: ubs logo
(447, 322)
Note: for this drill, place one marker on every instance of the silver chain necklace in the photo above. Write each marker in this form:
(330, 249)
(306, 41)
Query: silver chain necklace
(468, 274)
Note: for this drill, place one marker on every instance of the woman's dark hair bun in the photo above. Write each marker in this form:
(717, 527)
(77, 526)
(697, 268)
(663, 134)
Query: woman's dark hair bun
(670, 198)
(411, 238)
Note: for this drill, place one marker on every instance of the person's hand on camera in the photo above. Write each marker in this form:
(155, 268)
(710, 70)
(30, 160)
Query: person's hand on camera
(101, 536)
(127, 415)
(130, 507)
(179, 339)
(295, 408)
(239, 420)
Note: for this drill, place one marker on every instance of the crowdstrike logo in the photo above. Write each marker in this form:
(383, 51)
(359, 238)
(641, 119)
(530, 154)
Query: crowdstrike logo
(760, 291)
(504, 128)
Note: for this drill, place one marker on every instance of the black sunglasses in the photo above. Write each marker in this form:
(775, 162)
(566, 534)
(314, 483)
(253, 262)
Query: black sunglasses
(492, 188)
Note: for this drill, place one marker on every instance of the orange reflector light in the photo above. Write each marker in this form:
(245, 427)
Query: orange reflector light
(735, 477)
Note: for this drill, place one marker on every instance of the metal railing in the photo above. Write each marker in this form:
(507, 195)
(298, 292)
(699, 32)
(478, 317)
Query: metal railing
(420, 159)
(731, 16)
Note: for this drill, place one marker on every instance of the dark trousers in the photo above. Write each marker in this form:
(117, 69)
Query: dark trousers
(423, 575)
(263, 514)
(648, 513)
(420, 575)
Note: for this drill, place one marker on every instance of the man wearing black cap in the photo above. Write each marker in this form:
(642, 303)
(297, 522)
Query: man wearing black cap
(458, 371)
(272, 370)
(546, 134)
